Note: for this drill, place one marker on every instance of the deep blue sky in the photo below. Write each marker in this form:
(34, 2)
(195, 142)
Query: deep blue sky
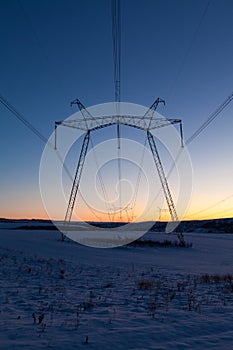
(55, 51)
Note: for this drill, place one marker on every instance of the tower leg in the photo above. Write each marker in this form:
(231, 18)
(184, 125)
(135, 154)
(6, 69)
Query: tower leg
(76, 183)
(164, 183)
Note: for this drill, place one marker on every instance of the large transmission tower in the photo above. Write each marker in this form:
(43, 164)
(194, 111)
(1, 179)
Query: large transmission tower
(148, 122)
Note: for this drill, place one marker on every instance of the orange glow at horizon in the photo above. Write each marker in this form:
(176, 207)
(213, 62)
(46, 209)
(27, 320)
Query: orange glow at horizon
(88, 217)
(31, 207)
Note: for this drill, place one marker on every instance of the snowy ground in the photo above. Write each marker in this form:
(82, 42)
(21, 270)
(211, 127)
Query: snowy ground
(55, 295)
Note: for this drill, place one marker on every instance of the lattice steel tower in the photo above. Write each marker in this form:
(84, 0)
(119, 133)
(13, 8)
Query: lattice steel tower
(149, 121)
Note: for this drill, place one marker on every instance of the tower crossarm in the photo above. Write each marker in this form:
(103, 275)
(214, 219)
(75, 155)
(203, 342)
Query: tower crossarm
(150, 112)
(139, 122)
(153, 107)
(87, 116)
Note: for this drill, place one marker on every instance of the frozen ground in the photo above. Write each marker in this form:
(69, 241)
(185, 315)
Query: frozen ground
(55, 295)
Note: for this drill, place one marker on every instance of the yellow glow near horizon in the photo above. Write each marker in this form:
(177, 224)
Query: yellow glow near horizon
(203, 209)
(41, 215)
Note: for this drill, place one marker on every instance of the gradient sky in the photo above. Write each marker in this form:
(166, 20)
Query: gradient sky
(55, 51)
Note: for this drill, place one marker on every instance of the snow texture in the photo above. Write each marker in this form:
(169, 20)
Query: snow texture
(58, 295)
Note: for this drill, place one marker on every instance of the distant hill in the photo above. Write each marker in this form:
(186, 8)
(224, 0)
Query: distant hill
(207, 226)
(25, 220)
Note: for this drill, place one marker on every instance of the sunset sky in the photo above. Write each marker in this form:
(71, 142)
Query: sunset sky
(53, 52)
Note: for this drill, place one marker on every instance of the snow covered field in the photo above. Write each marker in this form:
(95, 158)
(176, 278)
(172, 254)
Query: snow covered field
(67, 296)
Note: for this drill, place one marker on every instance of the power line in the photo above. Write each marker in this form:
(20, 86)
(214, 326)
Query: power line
(106, 199)
(116, 51)
(201, 128)
(71, 179)
(218, 215)
(41, 47)
(119, 166)
(33, 129)
(20, 117)
(36, 132)
(197, 133)
(212, 206)
(210, 119)
(138, 178)
(187, 53)
(116, 37)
